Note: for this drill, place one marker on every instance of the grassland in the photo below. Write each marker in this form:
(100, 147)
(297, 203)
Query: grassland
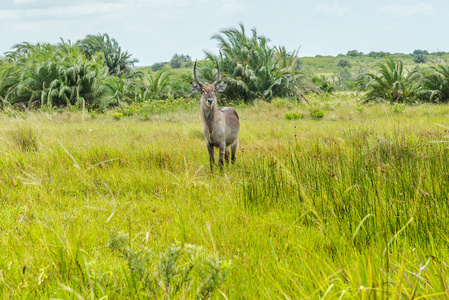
(327, 65)
(351, 206)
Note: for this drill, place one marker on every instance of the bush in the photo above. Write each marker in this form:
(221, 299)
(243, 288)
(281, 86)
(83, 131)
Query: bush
(344, 63)
(176, 62)
(419, 59)
(44, 74)
(390, 83)
(117, 116)
(316, 113)
(398, 108)
(294, 116)
(354, 53)
(181, 271)
(157, 66)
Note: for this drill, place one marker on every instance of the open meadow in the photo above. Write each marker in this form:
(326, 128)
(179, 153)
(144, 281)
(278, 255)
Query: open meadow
(352, 204)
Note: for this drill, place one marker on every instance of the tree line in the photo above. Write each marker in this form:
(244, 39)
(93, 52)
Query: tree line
(97, 73)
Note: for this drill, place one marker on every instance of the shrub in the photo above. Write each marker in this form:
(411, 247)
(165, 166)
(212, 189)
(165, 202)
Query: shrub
(155, 67)
(177, 60)
(390, 83)
(344, 63)
(316, 113)
(294, 116)
(117, 116)
(419, 59)
(181, 271)
(44, 74)
(354, 53)
(323, 83)
(398, 108)
(435, 84)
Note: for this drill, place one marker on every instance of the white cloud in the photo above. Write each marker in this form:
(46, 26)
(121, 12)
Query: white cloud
(8, 15)
(232, 7)
(74, 11)
(157, 2)
(333, 10)
(23, 1)
(406, 10)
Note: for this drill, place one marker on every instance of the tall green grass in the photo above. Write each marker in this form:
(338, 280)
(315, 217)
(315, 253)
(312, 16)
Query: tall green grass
(350, 206)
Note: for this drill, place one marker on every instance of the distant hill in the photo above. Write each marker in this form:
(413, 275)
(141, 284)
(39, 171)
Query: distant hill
(328, 65)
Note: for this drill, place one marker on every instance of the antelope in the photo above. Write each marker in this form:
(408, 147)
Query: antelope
(220, 125)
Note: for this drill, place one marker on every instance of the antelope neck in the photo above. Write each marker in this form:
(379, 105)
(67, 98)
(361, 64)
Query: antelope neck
(209, 114)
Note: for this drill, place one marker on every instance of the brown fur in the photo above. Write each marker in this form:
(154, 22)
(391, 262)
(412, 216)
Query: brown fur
(220, 125)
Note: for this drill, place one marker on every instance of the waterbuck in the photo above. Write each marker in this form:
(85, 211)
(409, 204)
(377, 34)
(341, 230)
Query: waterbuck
(220, 125)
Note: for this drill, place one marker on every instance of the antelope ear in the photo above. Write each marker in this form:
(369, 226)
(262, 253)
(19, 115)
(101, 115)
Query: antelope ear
(220, 87)
(195, 87)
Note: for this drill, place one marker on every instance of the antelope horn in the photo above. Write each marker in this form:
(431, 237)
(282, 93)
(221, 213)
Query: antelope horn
(196, 77)
(218, 75)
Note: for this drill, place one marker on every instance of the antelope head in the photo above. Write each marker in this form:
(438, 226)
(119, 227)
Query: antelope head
(208, 91)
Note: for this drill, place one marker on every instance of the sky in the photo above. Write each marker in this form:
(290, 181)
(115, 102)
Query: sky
(154, 30)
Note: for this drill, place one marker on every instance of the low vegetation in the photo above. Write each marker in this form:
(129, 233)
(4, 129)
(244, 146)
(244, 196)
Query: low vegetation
(339, 190)
(97, 74)
(349, 205)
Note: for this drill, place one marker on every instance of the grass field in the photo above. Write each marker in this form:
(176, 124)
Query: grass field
(354, 205)
(328, 65)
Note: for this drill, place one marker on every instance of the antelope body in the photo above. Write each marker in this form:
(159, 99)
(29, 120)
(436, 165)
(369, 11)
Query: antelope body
(220, 125)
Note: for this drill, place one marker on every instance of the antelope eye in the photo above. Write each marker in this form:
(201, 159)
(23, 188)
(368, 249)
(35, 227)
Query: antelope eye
(203, 92)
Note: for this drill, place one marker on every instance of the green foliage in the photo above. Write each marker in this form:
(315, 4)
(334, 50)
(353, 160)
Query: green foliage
(77, 75)
(341, 77)
(117, 61)
(398, 108)
(180, 272)
(157, 66)
(354, 53)
(155, 86)
(435, 85)
(355, 206)
(117, 116)
(316, 113)
(44, 74)
(155, 107)
(419, 59)
(420, 52)
(323, 83)
(344, 63)
(293, 116)
(379, 54)
(177, 60)
(391, 83)
(116, 90)
(253, 69)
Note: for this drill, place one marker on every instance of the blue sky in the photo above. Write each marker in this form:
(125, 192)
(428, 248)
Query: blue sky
(153, 30)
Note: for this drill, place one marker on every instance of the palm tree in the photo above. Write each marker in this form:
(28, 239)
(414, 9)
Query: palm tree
(157, 85)
(117, 61)
(253, 69)
(435, 84)
(323, 83)
(51, 75)
(390, 83)
(116, 90)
